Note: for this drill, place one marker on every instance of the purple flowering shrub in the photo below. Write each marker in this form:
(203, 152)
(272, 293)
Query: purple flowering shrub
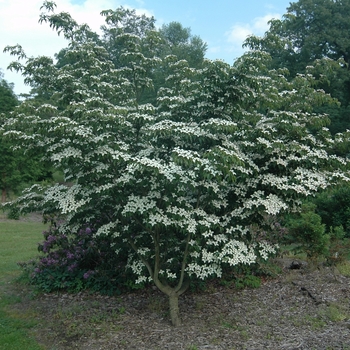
(76, 262)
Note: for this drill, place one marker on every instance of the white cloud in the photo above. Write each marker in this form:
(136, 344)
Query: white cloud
(260, 24)
(239, 32)
(89, 11)
(140, 11)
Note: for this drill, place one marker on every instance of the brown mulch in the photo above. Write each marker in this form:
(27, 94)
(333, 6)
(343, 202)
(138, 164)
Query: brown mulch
(301, 309)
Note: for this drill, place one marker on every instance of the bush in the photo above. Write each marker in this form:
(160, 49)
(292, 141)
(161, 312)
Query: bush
(249, 281)
(313, 237)
(76, 262)
(13, 213)
(309, 233)
(334, 208)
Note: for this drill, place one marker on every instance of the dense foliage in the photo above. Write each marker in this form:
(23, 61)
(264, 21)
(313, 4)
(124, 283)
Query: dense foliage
(8, 100)
(308, 234)
(16, 169)
(179, 182)
(77, 262)
(334, 208)
(310, 32)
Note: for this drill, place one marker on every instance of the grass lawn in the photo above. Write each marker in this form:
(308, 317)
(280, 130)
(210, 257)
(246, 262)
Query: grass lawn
(18, 242)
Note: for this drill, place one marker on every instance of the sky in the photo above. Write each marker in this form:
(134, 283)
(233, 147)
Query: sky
(222, 24)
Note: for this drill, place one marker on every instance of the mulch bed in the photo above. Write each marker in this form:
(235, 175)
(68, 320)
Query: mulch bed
(306, 308)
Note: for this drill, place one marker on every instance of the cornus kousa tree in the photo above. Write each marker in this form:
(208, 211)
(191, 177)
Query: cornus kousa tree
(177, 184)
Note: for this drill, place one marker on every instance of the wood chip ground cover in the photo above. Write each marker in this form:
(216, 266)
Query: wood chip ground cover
(301, 309)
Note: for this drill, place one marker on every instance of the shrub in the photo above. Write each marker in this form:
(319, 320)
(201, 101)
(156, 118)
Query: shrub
(76, 262)
(312, 236)
(334, 208)
(309, 233)
(250, 281)
(13, 213)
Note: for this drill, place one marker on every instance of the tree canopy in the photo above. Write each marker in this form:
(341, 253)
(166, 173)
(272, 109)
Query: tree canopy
(8, 99)
(178, 41)
(310, 33)
(176, 183)
(16, 168)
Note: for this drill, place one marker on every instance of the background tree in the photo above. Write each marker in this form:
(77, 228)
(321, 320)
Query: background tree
(8, 101)
(179, 41)
(16, 169)
(174, 186)
(310, 31)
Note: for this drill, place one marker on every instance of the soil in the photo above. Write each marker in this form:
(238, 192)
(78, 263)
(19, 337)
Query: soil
(306, 307)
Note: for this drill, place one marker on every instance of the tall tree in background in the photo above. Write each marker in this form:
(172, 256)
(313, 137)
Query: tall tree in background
(16, 169)
(8, 179)
(311, 32)
(8, 99)
(179, 41)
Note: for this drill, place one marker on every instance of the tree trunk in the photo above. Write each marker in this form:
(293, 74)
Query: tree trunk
(174, 309)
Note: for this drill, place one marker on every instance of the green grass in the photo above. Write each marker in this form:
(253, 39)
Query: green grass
(344, 268)
(18, 242)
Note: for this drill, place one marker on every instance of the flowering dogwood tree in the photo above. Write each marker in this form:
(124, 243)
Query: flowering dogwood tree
(176, 184)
